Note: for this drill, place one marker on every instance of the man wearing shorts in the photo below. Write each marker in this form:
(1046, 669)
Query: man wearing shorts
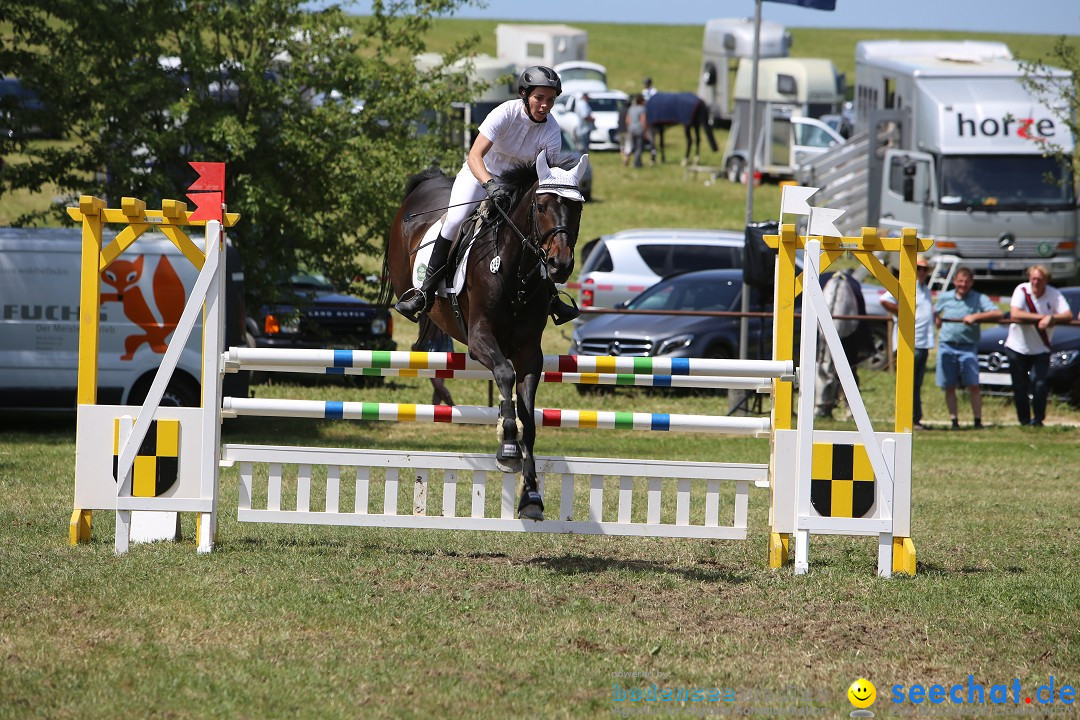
(957, 315)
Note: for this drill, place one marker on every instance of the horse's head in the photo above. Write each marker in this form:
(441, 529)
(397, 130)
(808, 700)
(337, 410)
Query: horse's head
(557, 214)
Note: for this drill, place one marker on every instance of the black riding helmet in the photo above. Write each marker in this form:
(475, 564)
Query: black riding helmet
(538, 76)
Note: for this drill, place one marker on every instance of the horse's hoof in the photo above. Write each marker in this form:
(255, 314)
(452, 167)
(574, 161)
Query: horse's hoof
(531, 506)
(508, 459)
(531, 512)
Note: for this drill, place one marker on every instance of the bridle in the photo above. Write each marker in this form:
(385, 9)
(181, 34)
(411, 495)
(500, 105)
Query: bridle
(534, 243)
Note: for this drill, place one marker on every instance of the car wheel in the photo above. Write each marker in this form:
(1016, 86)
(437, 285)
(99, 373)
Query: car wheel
(736, 170)
(180, 392)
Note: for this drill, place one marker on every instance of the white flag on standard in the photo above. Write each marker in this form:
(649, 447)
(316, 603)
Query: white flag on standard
(793, 199)
(822, 222)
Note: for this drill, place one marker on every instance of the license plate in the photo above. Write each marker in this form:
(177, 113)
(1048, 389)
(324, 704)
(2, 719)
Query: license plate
(990, 378)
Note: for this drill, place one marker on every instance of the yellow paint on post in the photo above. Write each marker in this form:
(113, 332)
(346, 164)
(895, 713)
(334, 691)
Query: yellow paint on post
(779, 544)
(587, 419)
(406, 413)
(79, 526)
(903, 558)
(89, 298)
(784, 324)
(185, 245)
(905, 346)
(418, 360)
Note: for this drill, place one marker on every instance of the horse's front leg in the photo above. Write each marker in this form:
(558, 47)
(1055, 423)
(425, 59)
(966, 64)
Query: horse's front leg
(531, 505)
(484, 348)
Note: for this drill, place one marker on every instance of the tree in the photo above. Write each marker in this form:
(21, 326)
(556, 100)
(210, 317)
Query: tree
(1062, 97)
(314, 112)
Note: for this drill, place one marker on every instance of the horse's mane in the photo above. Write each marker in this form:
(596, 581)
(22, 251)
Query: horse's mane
(427, 174)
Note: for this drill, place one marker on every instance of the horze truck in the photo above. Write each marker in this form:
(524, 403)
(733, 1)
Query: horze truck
(727, 41)
(951, 142)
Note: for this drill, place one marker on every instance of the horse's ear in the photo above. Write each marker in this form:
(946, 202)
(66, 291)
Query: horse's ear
(581, 167)
(542, 169)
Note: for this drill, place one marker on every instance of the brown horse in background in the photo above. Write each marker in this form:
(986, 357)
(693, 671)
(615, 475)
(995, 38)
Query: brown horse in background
(504, 304)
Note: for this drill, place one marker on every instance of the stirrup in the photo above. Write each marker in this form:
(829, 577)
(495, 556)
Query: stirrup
(561, 312)
(408, 306)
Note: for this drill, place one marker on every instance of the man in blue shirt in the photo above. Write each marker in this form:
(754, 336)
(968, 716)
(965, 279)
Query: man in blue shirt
(957, 361)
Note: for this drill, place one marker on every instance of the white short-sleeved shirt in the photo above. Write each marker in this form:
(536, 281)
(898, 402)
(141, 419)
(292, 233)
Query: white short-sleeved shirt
(924, 318)
(1024, 338)
(516, 138)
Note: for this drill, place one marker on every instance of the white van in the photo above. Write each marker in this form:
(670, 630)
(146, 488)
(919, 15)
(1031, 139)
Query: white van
(142, 297)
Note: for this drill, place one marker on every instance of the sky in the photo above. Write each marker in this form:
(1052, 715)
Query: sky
(1053, 17)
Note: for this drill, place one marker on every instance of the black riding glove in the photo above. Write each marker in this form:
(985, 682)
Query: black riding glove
(498, 194)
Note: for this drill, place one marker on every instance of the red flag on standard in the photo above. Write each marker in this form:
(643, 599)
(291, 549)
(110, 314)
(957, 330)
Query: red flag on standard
(211, 176)
(207, 205)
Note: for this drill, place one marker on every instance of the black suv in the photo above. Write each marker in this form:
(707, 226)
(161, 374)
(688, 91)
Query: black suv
(313, 314)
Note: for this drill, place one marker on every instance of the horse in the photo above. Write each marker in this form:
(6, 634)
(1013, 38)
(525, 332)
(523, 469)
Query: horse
(503, 307)
(685, 109)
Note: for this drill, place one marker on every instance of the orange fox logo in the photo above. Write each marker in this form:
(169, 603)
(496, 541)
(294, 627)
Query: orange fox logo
(169, 296)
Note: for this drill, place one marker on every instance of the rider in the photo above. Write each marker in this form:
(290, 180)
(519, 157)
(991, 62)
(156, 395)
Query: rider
(513, 132)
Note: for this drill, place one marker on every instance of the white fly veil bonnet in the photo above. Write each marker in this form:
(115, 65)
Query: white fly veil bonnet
(564, 183)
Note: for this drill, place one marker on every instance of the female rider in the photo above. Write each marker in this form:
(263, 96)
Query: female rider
(512, 133)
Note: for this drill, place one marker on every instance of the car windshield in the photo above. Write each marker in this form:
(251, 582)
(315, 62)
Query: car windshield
(689, 294)
(314, 281)
(569, 74)
(1005, 182)
(606, 104)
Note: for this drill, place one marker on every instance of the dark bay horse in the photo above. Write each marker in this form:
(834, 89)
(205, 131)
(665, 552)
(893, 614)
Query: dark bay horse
(505, 300)
(685, 109)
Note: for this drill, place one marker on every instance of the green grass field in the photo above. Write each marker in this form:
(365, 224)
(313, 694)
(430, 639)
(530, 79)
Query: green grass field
(303, 622)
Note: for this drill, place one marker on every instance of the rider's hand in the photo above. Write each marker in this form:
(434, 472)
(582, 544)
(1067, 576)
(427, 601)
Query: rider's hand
(498, 194)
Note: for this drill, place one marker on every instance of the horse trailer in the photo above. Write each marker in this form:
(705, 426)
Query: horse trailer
(793, 93)
(728, 40)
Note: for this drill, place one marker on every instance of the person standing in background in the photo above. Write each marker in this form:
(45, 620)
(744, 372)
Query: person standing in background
(924, 332)
(586, 123)
(1028, 343)
(636, 128)
(957, 361)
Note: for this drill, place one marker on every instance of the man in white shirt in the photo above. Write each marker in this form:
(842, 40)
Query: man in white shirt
(1028, 343)
(586, 123)
(924, 332)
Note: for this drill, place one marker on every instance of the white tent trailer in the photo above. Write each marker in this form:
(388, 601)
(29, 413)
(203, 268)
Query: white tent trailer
(499, 78)
(728, 40)
(951, 142)
(792, 94)
(540, 44)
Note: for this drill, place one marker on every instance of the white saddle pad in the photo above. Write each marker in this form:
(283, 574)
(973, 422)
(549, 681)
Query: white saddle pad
(423, 257)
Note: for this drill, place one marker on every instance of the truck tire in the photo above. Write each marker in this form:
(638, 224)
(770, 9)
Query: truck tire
(181, 391)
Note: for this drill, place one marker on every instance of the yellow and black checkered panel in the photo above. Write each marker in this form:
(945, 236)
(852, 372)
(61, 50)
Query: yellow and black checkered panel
(158, 462)
(841, 481)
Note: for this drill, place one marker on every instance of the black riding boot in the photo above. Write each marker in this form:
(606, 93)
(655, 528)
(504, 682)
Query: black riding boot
(417, 300)
(562, 312)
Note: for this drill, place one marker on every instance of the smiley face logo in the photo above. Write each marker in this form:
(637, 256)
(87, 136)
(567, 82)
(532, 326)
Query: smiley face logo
(862, 693)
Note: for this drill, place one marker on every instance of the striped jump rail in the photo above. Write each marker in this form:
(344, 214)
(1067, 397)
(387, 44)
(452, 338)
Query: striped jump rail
(594, 496)
(285, 359)
(479, 415)
(623, 379)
